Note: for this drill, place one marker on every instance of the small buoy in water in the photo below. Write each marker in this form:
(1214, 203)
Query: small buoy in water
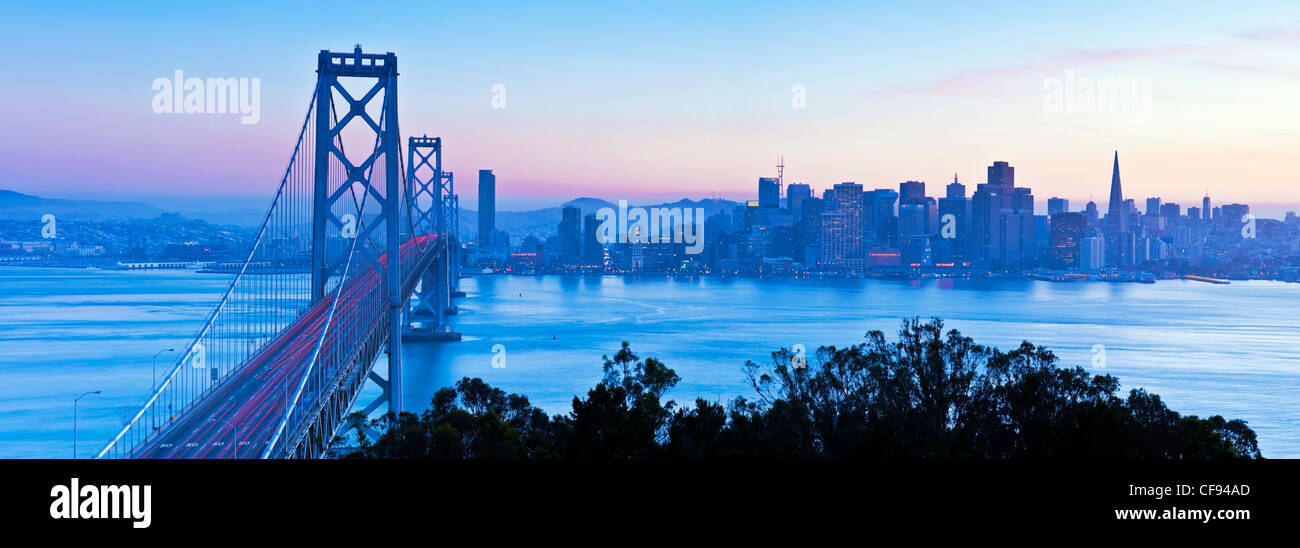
(552, 336)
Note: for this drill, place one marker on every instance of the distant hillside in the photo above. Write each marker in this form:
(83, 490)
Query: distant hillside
(538, 222)
(19, 206)
(542, 222)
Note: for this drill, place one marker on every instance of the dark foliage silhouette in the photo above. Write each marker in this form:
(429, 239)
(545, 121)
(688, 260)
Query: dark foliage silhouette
(928, 394)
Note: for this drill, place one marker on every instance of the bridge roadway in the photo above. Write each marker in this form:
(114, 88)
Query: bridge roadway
(253, 398)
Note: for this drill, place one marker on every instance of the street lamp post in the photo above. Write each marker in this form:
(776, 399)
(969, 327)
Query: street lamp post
(235, 430)
(74, 420)
(153, 418)
(154, 385)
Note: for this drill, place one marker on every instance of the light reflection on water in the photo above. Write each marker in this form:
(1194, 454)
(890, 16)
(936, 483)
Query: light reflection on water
(1206, 349)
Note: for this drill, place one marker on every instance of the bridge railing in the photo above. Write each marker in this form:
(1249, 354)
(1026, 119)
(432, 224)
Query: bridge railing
(280, 302)
(355, 321)
(268, 292)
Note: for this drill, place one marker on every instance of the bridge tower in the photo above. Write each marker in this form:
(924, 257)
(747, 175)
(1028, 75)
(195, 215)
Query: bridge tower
(451, 210)
(366, 205)
(431, 193)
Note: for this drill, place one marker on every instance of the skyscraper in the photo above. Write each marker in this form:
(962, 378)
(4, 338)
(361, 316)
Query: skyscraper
(951, 245)
(1023, 201)
(487, 207)
(1057, 205)
(1090, 213)
(1116, 226)
(834, 238)
(984, 226)
(1205, 208)
(810, 225)
(1067, 235)
(769, 192)
(593, 251)
(795, 194)
(911, 219)
(913, 240)
(882, 215)
(570, 232)
(1092, 250)
(1115, 217)
(1002, 177)
(846, 229)
(955, 189)
(1171, 212)
(1153, 206)
(911, 192)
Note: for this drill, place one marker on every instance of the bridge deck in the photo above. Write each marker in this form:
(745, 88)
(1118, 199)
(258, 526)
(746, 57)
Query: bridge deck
(254, 397)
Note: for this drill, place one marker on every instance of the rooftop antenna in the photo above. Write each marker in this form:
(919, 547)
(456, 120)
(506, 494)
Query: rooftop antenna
(780, 175)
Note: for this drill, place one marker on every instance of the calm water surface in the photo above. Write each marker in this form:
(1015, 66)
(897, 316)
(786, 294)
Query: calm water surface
(1206, 349)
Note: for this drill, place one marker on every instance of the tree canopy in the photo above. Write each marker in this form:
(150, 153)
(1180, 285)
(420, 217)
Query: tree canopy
(927, 394)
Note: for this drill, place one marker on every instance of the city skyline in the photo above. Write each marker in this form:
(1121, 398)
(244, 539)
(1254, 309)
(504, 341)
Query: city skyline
(579, 121)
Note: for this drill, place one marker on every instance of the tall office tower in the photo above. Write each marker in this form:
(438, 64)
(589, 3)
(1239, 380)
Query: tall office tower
(1023, 201)
(1092, 252)
(888, 230)
(1205, 208)
(828, 196)
(882, 215)
(1193, 213)
(487, 207)
(911, 192)
(848, 200)
(869, 238)
(1067, 233)
(1057, 205)
(810, 230)
(740, 219)
(913, 240)
(951, 243)
(1233, 213)
(785, 242)
(931, 214)
(752, 218)
(1127, 242)
(1029, 250)
(1115, 217)
(1002, 177)
(1044, 232)
(1116, 222)
(1171, 212)
(570, 232)
(911, 220)
(985, 207)
(795, 194)
(955, 189)
(834, 252)
(1007, 248)
(769, 192)
(1153, 206)
(593, 251)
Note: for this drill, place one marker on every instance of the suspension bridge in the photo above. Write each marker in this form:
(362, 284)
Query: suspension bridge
(357, 250)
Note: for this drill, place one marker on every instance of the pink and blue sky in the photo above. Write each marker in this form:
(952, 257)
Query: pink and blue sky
(646, 101)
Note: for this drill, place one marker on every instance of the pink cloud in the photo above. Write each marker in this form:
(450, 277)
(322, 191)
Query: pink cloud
(1273, 36)
(979, 81)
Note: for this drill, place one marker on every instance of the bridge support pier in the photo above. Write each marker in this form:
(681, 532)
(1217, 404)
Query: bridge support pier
(435, 202)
